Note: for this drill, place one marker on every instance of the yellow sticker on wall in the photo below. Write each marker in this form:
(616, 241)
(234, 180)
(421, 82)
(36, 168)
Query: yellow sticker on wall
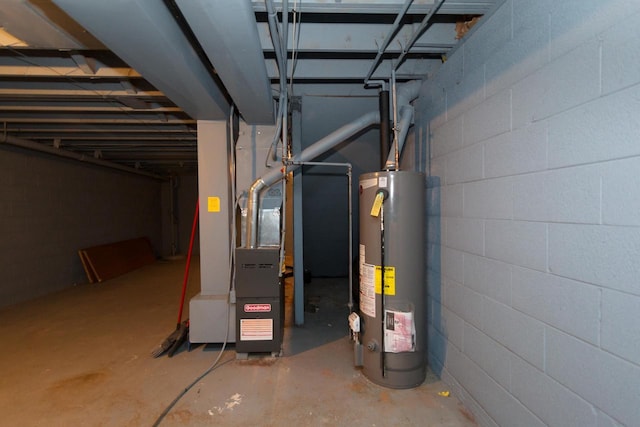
(213, 204)
(389, 280)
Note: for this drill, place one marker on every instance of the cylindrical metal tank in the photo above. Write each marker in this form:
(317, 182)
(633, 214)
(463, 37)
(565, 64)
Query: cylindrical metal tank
(392, 316)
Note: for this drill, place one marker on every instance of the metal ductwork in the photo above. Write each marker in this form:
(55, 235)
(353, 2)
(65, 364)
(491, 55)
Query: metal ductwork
(224, 32)
(148, 38)
(405, 94)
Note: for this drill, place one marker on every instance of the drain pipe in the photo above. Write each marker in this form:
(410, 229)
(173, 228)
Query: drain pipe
(311, 152)
(35, 146)
(405, 94)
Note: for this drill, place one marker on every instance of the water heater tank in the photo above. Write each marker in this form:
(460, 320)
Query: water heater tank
(392, 305)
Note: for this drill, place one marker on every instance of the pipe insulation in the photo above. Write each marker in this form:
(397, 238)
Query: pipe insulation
(35, 146)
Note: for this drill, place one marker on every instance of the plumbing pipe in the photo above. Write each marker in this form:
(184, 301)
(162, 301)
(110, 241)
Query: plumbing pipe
(35, 146)
(425, 22)
(387, 39)
(311, 152)
(383, 105)
(395, 116)
(406, 116)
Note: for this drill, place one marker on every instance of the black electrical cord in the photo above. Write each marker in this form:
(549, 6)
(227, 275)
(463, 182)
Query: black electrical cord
(190, 386)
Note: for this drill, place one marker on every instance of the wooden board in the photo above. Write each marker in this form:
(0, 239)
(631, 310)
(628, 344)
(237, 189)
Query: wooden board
(104, 262)
(88, 269)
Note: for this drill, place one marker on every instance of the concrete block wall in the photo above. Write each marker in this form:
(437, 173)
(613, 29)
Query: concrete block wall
(533, 215)
(50, 208)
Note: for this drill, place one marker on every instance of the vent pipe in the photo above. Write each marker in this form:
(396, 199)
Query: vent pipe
(385, 126)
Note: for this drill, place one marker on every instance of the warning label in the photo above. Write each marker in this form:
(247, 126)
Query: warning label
(367, 292)
(256, 329)
(389, 280)
(399, 332)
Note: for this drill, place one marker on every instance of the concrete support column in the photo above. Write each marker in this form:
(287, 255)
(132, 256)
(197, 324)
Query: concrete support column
(210, 310)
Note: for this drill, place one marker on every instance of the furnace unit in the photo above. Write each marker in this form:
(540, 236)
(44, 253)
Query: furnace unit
(259, 302)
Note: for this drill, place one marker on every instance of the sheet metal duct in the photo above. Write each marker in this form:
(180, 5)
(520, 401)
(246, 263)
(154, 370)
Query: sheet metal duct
(228, 33)
(146, 36)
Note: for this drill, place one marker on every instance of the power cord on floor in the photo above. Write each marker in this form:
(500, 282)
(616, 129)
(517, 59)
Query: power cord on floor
(210, 369)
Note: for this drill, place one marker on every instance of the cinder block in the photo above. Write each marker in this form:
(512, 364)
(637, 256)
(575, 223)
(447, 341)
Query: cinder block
(520, 151)
(436, 349)
(518, 332)
(571, 306)
(607, 381)
(621, 325)
(453, 264)
(586, 134)
(555, 404)
(452, 327)
(488, 277)
(492, 117)
(499, 404)
(465, 234)
(481, 417)
(492, 357)
(621, 192)
(491, 198)
(573, 21)
(517, 242)
(605, 420)
(464, 165)
(464, 302)
(602, 255)
(564, 195)
(452, 200)
(446, 138)
(567, 82)
(621, 54)
(491, 35)
(466, 94)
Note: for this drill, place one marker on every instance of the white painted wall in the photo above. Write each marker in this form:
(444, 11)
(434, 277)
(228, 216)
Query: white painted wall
(532, 126)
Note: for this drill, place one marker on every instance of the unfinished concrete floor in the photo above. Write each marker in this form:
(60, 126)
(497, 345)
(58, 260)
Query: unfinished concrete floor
(81, 357)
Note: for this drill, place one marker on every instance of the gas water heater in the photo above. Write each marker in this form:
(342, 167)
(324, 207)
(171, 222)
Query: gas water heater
(389, 327)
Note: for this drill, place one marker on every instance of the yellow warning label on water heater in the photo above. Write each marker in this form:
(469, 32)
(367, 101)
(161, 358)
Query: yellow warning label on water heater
(377, 204)
(389, 280)
(213, 204)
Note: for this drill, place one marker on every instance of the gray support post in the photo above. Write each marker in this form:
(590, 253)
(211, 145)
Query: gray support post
(298, 255)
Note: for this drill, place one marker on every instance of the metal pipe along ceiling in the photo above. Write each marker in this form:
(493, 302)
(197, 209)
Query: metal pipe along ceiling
(34, 146)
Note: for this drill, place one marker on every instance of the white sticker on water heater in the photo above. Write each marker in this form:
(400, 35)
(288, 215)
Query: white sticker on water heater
(382, 182)
(367, 183)
(399, 332)
(368, 290)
